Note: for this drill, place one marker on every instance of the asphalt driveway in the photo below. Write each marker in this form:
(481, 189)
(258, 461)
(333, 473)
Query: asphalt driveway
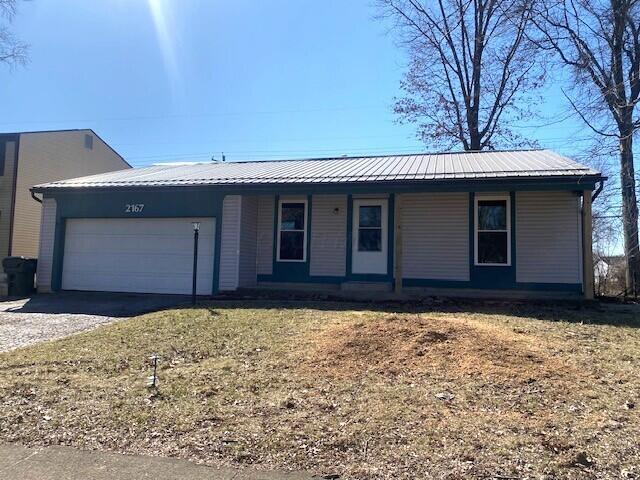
(45, 317)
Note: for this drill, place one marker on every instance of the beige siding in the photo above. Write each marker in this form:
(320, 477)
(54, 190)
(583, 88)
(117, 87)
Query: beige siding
(46, 157)
(6, 190)
(230, 242)
(47, 239)
(248, 242)
(435, 236)
(328, 235)
(548, 237)
(264, 252)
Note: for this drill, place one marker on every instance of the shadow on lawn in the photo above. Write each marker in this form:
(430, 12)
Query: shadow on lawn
(129, 305)
(601, 313)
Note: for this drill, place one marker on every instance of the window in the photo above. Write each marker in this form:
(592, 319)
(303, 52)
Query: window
(88, 142)
(370, 228)
(493, 230)
(292, 231)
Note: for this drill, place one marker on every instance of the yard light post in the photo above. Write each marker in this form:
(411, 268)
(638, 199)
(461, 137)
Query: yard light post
(196, 231)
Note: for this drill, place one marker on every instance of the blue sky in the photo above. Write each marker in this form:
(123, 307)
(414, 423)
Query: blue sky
(165, 80)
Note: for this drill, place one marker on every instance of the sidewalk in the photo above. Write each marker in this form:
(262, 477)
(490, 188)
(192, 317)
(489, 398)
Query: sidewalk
(66, 463)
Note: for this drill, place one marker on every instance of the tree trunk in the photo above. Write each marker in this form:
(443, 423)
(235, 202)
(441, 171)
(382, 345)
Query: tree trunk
(475, 145)
(629, 213)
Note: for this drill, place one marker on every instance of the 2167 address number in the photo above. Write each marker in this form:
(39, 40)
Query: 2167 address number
(134, 207)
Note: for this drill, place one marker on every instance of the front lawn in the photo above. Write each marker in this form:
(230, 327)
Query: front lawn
(450, 391)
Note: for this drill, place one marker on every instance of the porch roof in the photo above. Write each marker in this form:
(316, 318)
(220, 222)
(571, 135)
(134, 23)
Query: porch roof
(423, 167)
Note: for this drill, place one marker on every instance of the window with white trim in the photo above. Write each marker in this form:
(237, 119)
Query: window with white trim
(292, 231)
(493, 230)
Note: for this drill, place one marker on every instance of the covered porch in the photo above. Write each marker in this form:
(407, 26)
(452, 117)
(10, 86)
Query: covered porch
(474, 243)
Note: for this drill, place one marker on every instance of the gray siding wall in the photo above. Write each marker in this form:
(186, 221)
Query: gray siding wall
(230, 242)
(264, 250)
(548, 240)
(328, 235)
(47, 236)
(248, 242)
(435, 236)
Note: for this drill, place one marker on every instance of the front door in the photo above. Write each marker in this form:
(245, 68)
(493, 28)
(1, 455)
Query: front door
(369, 248)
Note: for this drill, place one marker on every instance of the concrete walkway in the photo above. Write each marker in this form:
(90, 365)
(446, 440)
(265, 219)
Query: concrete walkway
(66, 463)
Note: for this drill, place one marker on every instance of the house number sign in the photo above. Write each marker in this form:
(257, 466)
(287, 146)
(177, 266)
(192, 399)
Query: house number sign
(134, 207)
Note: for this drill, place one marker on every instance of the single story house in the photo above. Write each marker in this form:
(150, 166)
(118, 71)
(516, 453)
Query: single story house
(494, 221)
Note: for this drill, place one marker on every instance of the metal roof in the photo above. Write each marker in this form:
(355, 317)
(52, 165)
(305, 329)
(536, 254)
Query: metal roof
(392, 168)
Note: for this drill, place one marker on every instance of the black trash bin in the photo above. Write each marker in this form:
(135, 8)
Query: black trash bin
(20, 275)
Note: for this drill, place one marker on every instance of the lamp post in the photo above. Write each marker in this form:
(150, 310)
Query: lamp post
(196, 231)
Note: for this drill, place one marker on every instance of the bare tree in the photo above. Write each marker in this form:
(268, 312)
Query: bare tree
(599, 40)
(607, 229)
(470, 66)
(12, 51)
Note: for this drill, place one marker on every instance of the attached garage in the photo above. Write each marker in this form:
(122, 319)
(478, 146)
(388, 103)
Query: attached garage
(140, 255)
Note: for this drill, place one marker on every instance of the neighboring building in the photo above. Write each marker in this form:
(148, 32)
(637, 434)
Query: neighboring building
(489, 221)
(610, 274)
(29, 158)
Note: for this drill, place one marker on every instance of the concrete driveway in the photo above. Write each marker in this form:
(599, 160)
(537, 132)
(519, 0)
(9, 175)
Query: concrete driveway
(45, 317)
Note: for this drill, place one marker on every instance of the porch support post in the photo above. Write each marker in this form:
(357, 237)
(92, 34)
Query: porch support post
(587, 248)
(397, 244)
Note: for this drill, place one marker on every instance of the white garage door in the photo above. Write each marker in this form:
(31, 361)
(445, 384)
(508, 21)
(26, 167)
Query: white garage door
(142, 255)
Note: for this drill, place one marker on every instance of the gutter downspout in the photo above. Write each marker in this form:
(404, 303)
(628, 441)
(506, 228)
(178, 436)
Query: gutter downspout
(598, 190)
(33, 195)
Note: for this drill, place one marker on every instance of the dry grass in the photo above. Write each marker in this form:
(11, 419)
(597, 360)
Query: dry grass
(503, 392)
(400, 345)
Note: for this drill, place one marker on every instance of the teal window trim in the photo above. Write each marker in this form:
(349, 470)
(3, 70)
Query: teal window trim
(493, 276)
(507, 229)
(286, 271)
(306, 239)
